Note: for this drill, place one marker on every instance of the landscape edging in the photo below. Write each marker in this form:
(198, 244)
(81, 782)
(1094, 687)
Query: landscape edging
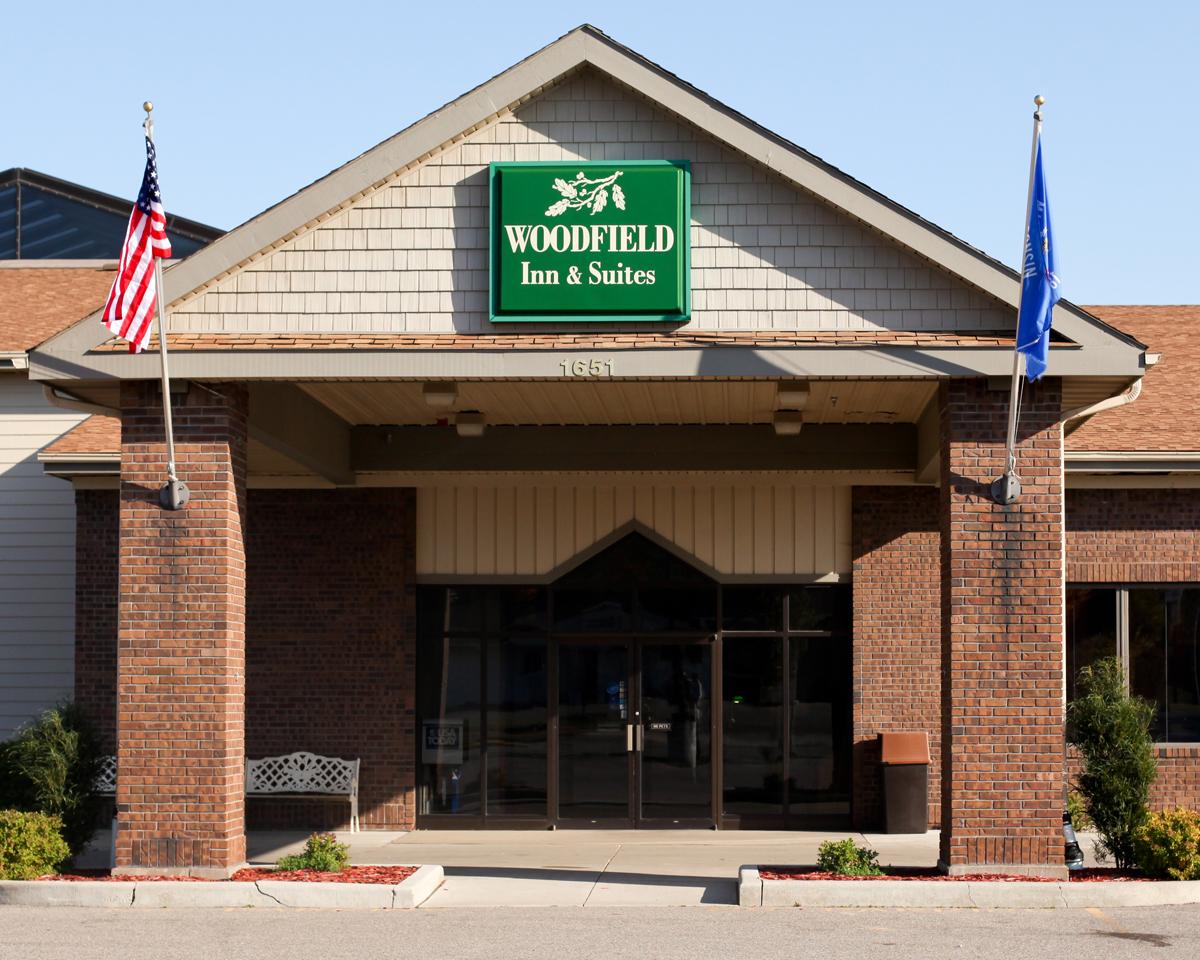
(153, 894)
(754, 891)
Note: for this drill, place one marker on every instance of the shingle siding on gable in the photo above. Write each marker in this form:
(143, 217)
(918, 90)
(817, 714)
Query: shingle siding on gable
(412, 256)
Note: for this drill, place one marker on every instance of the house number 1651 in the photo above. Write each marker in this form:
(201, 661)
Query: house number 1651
(587, 368)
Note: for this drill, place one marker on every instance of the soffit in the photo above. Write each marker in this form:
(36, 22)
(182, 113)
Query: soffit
(613, 402)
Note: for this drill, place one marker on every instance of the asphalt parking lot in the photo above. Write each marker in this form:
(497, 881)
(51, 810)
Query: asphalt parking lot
(554, 933)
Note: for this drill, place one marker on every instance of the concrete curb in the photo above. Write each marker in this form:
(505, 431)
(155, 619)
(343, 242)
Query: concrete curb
(753, 891)
(149, 894)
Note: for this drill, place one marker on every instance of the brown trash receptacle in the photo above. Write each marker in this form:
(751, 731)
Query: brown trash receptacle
(905, 759)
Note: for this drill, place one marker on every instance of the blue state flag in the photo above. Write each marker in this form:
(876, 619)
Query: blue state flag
(1039, 290)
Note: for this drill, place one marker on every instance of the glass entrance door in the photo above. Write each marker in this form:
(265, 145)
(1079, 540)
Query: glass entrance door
(595, 733)
(674, 741)
(635, 733)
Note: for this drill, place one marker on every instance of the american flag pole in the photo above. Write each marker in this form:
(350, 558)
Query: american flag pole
(174, 494)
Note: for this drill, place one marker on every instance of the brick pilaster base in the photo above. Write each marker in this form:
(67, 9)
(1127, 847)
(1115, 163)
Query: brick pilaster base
(181, 637)
(1002, 634)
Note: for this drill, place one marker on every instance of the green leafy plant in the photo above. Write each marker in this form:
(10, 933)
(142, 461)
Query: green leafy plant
(53, 763)
(1167, 845)
(1077, 808)
(322, 852)
(846, 858)
(1111, 730)
(31, 845)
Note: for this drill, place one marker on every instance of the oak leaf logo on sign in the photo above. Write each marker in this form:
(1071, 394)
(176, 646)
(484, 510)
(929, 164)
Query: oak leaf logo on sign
(582, 192)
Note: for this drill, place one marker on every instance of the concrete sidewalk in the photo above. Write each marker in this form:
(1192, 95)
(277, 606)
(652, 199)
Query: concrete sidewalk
(490, 868)
(595, 867)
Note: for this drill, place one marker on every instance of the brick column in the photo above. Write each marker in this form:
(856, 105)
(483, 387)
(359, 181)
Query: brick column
(1002, 634)
(897, 634)
(181, 637)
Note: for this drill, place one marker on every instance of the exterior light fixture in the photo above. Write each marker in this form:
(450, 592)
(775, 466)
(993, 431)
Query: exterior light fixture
(440, 395)
(788, 423)
(470, 423)
(791, 395)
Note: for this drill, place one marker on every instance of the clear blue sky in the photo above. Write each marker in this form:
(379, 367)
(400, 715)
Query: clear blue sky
(928, 102)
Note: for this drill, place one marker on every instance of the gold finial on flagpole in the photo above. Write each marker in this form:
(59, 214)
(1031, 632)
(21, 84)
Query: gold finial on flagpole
(147, 106)
(1038, 101)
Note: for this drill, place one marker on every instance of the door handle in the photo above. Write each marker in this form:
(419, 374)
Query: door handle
(629, 737)
(637, 736)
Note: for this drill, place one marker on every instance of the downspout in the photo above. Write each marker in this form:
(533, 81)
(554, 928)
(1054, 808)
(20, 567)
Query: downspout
(65, 401)
(1126, 396)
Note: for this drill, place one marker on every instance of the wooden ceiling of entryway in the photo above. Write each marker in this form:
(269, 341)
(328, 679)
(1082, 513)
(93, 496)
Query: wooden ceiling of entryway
(610, 402)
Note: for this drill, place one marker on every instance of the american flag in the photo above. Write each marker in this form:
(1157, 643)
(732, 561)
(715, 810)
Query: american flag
(129, 310)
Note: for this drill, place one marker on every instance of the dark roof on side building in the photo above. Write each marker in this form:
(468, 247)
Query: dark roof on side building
(45, 218)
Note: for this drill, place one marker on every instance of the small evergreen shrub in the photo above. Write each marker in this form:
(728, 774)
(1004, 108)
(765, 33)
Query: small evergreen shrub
(846, 858)
(54, 763)
(322, 852)
(1168, 845)
(31, 845)
(1077, 808)
(1111, 730)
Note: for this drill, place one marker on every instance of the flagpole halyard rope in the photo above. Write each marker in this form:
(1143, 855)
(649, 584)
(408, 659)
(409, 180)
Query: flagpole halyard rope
(174, 494)
(1008, 488)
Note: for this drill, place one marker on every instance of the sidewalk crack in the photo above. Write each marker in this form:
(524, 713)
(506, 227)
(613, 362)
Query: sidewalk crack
(276, 899)
(600, 875)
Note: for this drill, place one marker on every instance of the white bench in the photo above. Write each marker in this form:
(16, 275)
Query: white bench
(305, 776)
(106, 779)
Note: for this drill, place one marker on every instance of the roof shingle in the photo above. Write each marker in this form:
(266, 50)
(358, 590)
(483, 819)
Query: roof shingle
(1164, 417)
(38, 302)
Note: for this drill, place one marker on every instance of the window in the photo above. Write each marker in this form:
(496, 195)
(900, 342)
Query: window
(1156, 632)
(1091, 630)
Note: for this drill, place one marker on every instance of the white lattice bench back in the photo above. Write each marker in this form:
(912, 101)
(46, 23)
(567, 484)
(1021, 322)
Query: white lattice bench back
(306, 776)
(106, 778)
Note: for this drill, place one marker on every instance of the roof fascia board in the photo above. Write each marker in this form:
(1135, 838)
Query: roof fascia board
(849, 196)
(680, 362)
(341, 186)
(586, 46)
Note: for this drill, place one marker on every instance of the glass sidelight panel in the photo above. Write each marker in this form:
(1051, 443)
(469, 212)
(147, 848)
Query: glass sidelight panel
(594, 731)
(753, 694)
(819, 764)
(516, 727)
(450, 729)
(676, 747)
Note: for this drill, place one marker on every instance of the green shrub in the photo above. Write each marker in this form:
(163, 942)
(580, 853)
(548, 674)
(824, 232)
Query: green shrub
(321, 852)
(54, 762)
(1111, 730)
(31, 844)
(845, 857)
(1168, 845)
(1077, 808)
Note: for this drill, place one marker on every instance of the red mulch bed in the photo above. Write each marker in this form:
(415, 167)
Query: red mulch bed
(1089, 875)
(390, 875)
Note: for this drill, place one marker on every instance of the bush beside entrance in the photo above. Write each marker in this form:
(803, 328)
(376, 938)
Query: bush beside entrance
(1111, 730)
(31, 845)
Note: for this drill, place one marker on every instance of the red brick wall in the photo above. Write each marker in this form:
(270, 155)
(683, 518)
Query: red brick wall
(331, 663)
(897, 634)
(1133, 536)
(1141, 536)
(1002, 640)
(181, 636)
(96, 543)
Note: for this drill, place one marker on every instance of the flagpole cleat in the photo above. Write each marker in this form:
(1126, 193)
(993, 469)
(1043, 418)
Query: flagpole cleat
(1007, 489)
(174, 495)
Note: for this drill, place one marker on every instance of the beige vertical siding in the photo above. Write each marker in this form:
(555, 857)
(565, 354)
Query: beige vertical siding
(37, 558)
(759, 528)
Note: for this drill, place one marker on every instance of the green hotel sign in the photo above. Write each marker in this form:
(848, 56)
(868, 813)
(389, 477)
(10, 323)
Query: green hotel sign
(590, 241)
